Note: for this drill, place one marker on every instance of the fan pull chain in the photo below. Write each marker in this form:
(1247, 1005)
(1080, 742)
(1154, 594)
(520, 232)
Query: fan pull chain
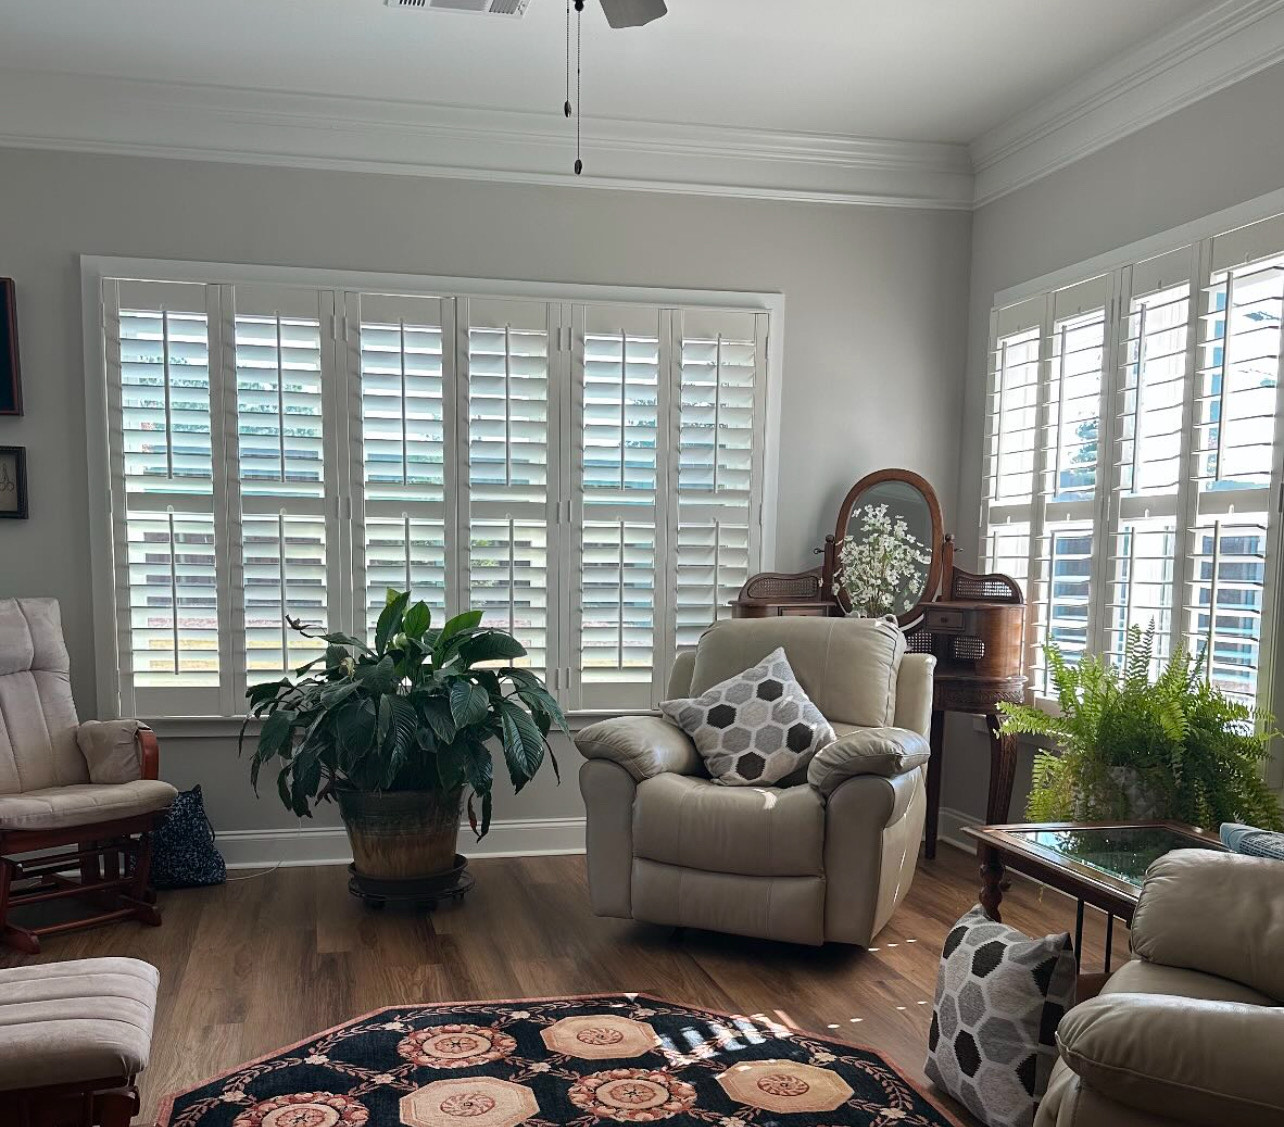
(579, 56)
(568, 58)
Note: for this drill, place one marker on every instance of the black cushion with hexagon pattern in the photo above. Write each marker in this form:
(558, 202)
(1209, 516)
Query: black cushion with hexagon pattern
(999, 998)
(756, 728)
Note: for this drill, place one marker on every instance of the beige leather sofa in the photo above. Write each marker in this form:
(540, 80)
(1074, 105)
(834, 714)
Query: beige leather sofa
(827, 858)
(1192, 1030)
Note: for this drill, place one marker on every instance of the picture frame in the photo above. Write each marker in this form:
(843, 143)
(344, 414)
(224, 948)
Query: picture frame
(13, 482)
(10, 376)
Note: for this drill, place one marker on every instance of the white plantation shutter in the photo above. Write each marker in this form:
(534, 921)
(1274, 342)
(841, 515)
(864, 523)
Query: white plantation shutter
(721, 360)
(1164, 507)
(1232, 493)
(620, 397)
(165, 468)
(283, 464)
(589, 475)
(508, 352)
(404, 451)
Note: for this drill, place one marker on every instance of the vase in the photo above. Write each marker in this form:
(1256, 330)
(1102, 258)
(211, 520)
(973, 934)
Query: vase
(401, 835)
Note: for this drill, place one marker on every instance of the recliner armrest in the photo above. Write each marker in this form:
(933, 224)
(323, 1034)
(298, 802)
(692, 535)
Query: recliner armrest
(869, 751)
(644, 746)
(118, 751)
(1214, 912)
(1195, 1061)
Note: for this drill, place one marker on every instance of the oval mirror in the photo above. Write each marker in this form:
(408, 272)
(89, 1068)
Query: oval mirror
(887, 557)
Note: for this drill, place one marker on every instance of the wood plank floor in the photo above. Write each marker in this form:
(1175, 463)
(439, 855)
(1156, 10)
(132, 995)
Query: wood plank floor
(267, 959)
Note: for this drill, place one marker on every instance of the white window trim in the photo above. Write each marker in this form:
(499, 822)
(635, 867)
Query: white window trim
(95, 269)
(1192, 235)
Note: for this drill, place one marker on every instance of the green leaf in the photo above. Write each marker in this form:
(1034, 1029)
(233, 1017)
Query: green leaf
(491, 645)
(378, 677)
(418, 619)
(523, 744)
(469, 704)
(437, 713)
(469, 620)
(346, 640)
(390, 619)
(385, 718)
(274, 737)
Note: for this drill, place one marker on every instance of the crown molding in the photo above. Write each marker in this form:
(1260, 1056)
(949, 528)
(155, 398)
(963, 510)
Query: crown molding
(1198, 57)
(44, 110)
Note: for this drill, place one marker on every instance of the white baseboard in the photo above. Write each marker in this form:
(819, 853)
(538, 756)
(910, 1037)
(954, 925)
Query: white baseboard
(950, 828)
(328, 845)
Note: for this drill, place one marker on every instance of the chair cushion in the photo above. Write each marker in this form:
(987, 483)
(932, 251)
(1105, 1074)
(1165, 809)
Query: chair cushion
(89, 1019)
(110, 747)
(848, 666)
(755, 831)
(37, 714)
(754, 728)
(56, 808)
(1141, 977)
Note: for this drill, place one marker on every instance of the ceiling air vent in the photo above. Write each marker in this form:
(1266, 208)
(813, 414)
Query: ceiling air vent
(515, 8)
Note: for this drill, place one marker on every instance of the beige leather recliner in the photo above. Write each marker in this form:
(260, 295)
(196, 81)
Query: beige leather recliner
(1191, 1031)
(827, 858)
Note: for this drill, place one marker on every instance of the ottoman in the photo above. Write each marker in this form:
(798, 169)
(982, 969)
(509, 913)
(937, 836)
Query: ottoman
(73, 1038)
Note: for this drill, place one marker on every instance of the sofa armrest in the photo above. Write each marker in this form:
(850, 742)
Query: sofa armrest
(118, 751)
(1214, 912)
(1195, 1061)
(868, 751)
(644, 746)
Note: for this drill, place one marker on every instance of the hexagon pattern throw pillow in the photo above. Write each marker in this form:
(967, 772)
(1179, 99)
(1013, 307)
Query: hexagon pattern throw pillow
(755, 728)
(999, 998)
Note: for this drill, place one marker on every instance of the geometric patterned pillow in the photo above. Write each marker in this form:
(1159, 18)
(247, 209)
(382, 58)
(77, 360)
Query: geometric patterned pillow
(756, 728)
(999, 998)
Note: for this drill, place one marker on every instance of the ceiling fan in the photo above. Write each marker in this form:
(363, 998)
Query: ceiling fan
(633, 13)
(619, 13)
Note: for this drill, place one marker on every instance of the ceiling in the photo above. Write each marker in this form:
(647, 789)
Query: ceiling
(917, 70)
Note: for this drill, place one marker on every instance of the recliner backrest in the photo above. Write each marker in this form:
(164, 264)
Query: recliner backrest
(848, 666)
(37, 712)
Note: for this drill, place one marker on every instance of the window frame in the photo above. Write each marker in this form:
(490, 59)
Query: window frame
(338, 335)
(1192, 244)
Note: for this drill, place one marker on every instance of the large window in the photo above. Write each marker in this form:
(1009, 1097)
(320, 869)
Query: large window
(587, 473)
(1134, 450)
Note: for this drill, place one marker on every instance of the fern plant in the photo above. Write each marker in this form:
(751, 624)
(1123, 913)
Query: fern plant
(1194, 753)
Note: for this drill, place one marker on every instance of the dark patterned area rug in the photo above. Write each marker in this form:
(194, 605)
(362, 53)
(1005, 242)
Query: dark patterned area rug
(617, 1058)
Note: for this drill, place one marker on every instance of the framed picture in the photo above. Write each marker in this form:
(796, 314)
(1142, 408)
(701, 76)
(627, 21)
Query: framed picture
(13, 482)
(10, 380)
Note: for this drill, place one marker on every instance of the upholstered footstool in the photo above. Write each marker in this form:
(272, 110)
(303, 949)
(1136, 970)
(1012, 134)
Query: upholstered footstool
(73, 1038)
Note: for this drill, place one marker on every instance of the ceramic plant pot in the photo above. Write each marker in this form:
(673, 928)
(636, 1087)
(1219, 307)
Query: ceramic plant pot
(401, 834)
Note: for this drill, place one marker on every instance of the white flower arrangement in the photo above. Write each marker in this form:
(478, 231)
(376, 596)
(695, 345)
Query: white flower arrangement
(886, 563)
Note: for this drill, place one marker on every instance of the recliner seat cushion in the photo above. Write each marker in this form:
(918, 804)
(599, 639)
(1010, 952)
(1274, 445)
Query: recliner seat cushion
(752, 831)
(83, 804)
(88, 1019)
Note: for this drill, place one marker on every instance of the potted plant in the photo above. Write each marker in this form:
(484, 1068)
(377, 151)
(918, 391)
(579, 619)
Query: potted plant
(1127, 747)
(396, 733)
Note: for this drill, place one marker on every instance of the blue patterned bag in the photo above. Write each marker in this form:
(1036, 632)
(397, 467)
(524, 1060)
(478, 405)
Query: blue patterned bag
(183, 850)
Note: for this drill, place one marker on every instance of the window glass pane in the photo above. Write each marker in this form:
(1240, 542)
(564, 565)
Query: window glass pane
(508, 414)
(402, 411)
(1062, 589)
(165, 401)
(618, 602)
(508, 582)
(285, 575)
(279, 407)
(1016, 406)
(1239, 369)
(1141, 589)
(1224, 621)
(404, 554)
(173, 606)
(1154, 391)
(1074, 406)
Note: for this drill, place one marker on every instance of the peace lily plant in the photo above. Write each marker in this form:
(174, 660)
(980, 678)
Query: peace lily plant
(397, 731)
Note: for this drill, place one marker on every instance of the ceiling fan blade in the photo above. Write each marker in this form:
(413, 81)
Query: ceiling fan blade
(633, 13)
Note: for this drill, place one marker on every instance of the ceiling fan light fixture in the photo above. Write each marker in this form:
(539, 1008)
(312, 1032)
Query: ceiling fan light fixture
(633, 13)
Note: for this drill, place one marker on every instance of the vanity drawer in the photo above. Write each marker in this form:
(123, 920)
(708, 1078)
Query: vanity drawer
(944, 620)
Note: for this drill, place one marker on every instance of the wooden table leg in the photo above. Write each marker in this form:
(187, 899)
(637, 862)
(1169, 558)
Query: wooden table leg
(1003, 760)
(991, 880)
(935, 766)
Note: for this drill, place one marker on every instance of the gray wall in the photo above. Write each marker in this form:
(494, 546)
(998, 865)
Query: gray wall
(875, 330)
(1219, 152)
